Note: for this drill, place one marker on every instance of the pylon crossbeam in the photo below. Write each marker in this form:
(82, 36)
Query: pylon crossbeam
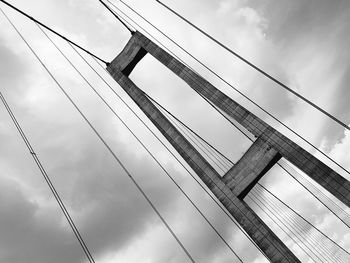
(256, 161)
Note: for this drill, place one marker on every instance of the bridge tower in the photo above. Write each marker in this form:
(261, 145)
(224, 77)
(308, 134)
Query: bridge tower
(267, 149)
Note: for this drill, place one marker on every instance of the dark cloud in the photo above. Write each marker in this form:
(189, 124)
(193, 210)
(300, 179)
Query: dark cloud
(308, 31)
(29, 237)
(291, 21)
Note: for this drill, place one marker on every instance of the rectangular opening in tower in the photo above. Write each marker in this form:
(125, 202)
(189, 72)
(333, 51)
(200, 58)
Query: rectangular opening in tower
(217, 140)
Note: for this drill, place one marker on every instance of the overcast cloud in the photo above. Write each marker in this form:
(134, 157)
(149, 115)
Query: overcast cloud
(302, 43)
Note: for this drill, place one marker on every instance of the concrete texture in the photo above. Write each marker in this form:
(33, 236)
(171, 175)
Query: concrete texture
(267, 241)
(242, 177)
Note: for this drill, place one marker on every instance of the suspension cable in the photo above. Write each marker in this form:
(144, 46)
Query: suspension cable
(53, 31)
(138, 139)
(301, 217)
(286, 167)
(117, 17)
(301, 228)
(304, 231)
(336, 205)
(107, 146)
(277, 215)
(277, 222)
(257, 68)
(48, 181)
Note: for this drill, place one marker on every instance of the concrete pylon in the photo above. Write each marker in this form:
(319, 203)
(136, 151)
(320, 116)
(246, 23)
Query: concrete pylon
(261, 155)
(330, 180)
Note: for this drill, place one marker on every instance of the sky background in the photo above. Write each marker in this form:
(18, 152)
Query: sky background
(302, 43)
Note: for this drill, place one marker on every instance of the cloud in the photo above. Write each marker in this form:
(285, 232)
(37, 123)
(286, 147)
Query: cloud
(29, 237)
(339, 151)
(310, 36)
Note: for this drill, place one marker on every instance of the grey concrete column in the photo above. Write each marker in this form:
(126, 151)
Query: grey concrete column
(317, 170)
(268, 242)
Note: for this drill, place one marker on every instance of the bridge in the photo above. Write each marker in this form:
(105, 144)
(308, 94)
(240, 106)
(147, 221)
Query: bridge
(237, 188)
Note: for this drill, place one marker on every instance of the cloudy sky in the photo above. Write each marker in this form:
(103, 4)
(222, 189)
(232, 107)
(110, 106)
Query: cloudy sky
(302, 43)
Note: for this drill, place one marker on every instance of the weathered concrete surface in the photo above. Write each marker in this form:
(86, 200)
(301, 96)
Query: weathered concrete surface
(317, 170)
(268, 242)
(129, 57)
(242, 177)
